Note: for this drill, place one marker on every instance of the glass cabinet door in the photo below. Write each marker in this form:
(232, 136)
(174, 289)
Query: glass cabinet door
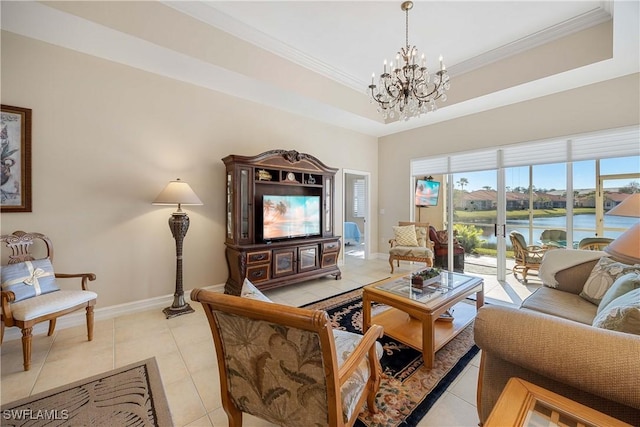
(245, 205)
(328, 207)
(229, 206)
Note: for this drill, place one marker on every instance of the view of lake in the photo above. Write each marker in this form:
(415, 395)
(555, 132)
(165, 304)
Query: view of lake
(584, 226)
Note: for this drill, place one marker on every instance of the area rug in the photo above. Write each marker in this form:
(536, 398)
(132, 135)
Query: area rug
(129, 396)
(408, 389)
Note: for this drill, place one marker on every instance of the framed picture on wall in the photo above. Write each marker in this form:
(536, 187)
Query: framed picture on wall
(15, 136)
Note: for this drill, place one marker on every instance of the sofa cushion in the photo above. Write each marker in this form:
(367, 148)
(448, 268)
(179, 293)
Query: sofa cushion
(411, 251)
(405, 235)
(29, 279)
(602, 277)
(561, 304)
(621, 286)
(622, 314)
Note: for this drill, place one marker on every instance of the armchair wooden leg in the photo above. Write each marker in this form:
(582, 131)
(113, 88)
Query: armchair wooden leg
(391, 264)
(1, 330)
(26, 347)
(90, 322)
(52, 327)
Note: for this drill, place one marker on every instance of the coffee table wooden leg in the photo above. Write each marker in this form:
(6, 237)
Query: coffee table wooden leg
(479, 299)
(366, 312)
(428, 341)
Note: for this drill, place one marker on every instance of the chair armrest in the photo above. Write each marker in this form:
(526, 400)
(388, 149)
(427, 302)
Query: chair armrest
(601, 362)
(536, 248)
(364, 347)
(393, 242)
(84, 276)
(6, 298)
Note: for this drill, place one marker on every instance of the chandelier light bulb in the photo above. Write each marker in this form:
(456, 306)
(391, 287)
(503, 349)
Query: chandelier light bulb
(409, 90)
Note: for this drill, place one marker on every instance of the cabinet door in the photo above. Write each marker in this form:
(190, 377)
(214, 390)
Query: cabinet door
(244, 216)
(327, 220)
(284, 262)
(307, 258)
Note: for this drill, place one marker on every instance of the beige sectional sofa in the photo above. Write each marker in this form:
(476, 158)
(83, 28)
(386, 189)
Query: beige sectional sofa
(550, 341)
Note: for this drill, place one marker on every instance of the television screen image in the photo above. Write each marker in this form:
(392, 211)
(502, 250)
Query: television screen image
(427, 192)
(290, 216)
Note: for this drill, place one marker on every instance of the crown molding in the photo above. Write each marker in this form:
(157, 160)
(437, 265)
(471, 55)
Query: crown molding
(207, 12)
(587, 20)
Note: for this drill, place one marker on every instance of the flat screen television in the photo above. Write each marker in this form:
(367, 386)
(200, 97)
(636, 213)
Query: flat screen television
(286, 217)
(427, 192)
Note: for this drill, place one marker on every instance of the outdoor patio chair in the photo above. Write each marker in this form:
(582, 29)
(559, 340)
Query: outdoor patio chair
(594, 243)
(527, 257)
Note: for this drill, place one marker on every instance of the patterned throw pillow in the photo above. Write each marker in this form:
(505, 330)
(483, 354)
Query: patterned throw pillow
(622, 314)
(29, 279)
(405, 235)
(250, 291)
(621, 286)
(422, 236)
(605, 272)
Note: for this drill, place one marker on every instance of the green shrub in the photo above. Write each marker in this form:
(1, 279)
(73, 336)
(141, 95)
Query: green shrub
(468, 236)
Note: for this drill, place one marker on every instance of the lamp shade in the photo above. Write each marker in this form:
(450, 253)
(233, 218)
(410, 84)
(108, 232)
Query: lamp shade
(177, 193)
(626, 248)
(628, 207)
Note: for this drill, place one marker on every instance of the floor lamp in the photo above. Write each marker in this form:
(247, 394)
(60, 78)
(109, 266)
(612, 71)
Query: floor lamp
(178, 193)
(626, 247)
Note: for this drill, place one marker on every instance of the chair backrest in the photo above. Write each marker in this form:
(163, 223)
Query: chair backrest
(275, 362)
(21, 244)
(519, 244)
(553, 235)
(594, 243)
(422, 232)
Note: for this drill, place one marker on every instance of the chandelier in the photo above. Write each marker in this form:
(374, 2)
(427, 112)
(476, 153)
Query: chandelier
(408, 90)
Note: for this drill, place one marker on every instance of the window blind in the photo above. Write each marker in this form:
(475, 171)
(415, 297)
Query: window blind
(621, 142)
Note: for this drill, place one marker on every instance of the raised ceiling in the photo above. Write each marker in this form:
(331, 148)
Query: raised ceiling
(316, 58)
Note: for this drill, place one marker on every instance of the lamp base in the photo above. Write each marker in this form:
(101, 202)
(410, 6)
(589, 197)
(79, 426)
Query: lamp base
(177, 311)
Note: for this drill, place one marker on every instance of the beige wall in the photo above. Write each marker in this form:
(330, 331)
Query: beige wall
(107, 138)
(610, 104)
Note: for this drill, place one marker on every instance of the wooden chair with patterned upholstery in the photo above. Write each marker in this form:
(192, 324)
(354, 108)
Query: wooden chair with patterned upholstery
(594, 243)
(411, 243)
(287, 365)
(527, 257)
(30, 294)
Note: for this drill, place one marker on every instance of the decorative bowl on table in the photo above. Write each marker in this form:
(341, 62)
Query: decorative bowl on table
(422, 277)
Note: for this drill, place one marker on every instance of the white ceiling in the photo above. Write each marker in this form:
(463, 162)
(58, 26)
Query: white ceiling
(349, 40)
(343, 40)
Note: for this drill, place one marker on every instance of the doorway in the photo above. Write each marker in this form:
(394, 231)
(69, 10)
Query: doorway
(356, 230)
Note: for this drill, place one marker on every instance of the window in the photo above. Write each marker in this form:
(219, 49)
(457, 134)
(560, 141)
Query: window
(359, 198)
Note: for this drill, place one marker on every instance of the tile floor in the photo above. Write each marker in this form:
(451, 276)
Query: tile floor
(184, 351)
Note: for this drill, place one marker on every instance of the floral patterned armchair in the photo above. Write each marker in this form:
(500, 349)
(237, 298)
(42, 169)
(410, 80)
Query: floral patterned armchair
(287, 365)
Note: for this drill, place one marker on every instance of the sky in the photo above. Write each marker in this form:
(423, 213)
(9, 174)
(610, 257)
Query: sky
(554, 176)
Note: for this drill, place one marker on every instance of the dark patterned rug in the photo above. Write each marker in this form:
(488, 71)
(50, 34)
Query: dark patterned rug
(129, 396)
(407, 390)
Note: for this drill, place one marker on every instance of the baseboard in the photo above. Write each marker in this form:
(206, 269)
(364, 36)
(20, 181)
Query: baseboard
(104, 313)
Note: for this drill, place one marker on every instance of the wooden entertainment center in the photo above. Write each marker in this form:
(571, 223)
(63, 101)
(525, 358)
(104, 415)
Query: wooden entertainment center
(292, 256)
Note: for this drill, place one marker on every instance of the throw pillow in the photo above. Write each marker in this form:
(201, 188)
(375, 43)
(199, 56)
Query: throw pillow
(605, 272)
(621, 286)
(422, 236)
(622, 314)
(29, 278)
(250, 291)
(405, 235)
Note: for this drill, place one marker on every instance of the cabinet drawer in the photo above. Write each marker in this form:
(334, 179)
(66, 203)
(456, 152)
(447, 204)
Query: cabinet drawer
(331, 246)
(258, 257)
(329, 259)
(258, 273)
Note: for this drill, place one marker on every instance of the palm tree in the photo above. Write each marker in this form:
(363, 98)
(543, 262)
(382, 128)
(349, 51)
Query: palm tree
(462, 182)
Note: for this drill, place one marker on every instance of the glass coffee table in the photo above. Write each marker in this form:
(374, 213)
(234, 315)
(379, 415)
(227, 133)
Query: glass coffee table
(414, 313)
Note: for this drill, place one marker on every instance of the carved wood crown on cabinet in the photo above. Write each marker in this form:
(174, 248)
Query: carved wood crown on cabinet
(275, 263)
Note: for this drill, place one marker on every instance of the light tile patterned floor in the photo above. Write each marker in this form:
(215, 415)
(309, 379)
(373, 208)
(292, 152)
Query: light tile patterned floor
(184, 350)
